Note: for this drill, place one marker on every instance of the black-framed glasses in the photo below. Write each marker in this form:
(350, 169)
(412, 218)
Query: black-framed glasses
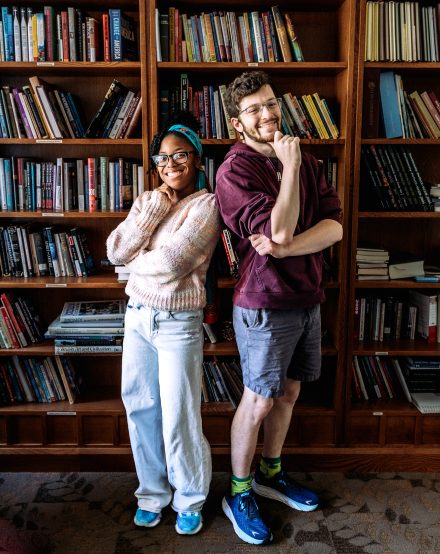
(254, 109)
(161, 160)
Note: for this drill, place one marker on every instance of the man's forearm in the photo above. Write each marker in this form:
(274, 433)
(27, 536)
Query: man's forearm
(285, 213)
(317, 238)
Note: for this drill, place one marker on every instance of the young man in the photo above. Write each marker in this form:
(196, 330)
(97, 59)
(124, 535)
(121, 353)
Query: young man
(284, 215)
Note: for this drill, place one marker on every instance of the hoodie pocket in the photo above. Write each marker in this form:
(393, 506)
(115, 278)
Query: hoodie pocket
(269, 280)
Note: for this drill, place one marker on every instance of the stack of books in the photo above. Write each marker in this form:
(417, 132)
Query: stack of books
(372, 264)
(89, 327)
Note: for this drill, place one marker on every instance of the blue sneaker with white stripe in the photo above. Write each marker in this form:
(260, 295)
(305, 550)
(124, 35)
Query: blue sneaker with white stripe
(189, 523)
(144, 518)
(281, 487)
(242, 510)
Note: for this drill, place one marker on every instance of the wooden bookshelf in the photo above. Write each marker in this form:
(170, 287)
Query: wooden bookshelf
(94, 433)
(378, 426)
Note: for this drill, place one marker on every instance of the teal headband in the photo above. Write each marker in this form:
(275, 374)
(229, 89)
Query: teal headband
(190, 135)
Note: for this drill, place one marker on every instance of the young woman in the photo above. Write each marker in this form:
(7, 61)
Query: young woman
(166, 242)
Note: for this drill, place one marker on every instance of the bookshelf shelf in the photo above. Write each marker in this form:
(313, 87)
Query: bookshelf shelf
(407, 141)
(407, 66)
(395, 284)
(70, 68)
(103, 281)
(74, 142)
(77, 216)
(385, 407)
(399, 215)
(396, 348)
(323, 68)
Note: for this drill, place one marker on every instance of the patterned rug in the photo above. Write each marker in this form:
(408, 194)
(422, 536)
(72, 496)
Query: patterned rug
(75, 513)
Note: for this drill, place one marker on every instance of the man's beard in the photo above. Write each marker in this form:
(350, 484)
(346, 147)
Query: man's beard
(254, 135)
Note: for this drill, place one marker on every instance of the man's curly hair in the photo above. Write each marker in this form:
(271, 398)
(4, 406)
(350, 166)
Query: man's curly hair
(245, 84)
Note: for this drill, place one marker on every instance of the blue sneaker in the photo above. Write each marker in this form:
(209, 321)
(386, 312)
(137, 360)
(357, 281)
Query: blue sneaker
(189, 523)
(242, 510)
(281, 487)
(144, 518)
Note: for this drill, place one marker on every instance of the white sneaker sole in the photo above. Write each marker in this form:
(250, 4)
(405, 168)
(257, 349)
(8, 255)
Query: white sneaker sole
(246, 538)
(273, 494)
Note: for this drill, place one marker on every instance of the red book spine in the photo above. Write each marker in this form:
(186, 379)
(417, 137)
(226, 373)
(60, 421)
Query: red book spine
(105, 37)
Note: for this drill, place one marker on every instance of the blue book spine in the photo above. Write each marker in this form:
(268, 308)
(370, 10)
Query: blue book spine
(389, 105)
(254, 45)
(3, 125)
(276, 49)
(74, 109)
(115, 35)
(197, 48)
(10, 196)
(31, 379)
(263, 39)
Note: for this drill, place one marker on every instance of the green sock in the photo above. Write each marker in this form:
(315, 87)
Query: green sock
(270, 466)
(240, 484)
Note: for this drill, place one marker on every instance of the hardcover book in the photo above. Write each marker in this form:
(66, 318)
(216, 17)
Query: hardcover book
(93, 311)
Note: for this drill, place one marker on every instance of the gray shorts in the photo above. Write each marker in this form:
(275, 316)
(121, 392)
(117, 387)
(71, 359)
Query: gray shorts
(278, 344)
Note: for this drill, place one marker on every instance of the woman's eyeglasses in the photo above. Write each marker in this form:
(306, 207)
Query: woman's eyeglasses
(161, 160)
(254, 109)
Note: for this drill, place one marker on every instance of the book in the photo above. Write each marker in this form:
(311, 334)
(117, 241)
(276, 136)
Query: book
(389, 105)
(426, 402)
(123, 42)
(93, 311)
(402, 266)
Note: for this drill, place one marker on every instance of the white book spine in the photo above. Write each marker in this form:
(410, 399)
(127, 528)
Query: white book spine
(141, 185)
(17, 34)
(24, 36)
(29, 35)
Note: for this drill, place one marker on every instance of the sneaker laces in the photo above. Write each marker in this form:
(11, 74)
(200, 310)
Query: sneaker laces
(249, 504)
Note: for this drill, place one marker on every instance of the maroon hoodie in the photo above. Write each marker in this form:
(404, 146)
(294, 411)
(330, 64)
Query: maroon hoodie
(246, 190)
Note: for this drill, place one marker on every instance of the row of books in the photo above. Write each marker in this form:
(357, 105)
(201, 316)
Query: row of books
(391, 181)
(385, 318)
(414, 115)
(27, 252)
(415, 379)
(34, 112)
(30, 379)
(41, 111)
(20, 324)
(382, 318)
(222, 381)
(402, 31)
(229, 36)
(306, 116)
(65, 35)
(118, 115)
(89, 327)
(93, 184)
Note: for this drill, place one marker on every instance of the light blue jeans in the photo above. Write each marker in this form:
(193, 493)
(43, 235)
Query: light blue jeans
(161, 391)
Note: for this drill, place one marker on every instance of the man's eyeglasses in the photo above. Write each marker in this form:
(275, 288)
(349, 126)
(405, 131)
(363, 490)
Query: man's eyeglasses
(161, 160)
(255, 109)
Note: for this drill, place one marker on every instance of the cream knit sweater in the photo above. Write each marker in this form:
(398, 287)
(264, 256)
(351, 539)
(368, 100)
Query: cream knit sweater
(167, 249)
